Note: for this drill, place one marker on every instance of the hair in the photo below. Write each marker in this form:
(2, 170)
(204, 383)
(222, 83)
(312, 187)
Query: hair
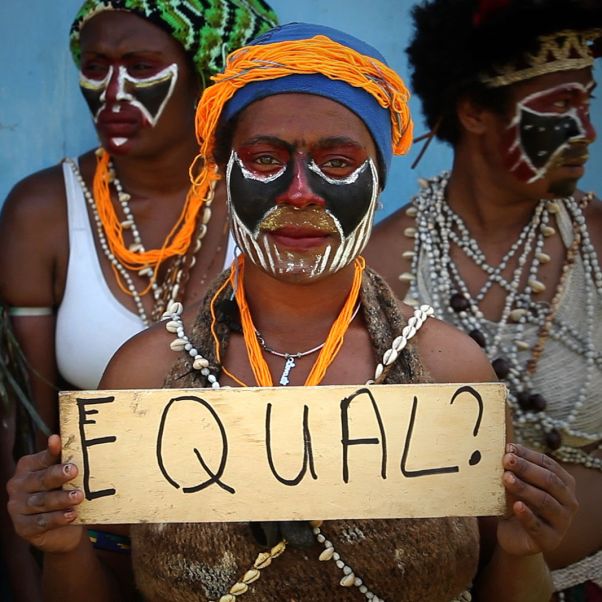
(456, 41)
(224, 136)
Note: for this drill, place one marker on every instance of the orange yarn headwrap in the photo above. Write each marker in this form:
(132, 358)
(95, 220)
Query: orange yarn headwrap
(317, 55)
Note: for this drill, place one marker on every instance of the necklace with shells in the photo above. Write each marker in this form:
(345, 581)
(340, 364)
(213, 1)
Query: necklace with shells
(172, 287)
(439, 229)
(174, 325)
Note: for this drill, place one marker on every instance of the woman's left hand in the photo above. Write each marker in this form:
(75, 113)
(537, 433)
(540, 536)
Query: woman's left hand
(541, 502)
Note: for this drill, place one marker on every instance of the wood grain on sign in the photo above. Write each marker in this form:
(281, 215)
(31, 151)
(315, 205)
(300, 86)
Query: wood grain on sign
(286, 453)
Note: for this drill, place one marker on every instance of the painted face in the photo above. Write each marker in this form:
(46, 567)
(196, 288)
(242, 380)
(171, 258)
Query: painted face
(117, 88)
(550, 129)
(139, 84)
(301, 214)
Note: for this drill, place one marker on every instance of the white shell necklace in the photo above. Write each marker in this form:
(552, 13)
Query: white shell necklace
(129, 223)
(438, 229)
(174, 325)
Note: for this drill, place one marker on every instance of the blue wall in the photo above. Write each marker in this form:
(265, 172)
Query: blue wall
(43, 117)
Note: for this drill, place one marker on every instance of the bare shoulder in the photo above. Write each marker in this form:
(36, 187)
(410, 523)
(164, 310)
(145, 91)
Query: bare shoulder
(33, 236)
(34, 239)
(40, 196)
(36, 197)
(449, 354)
(385, 251)
(144, 361)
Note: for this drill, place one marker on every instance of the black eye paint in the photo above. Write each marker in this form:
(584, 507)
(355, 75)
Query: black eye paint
(542, 135)
(253, 196)
(548, 126)
(94, 90)
(348, 201)
(149, 95)
(93, 99)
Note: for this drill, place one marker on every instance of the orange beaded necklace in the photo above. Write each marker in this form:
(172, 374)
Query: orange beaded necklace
(259, 366)
(176, 243)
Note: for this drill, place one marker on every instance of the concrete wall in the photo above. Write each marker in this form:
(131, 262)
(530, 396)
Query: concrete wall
(43, 117)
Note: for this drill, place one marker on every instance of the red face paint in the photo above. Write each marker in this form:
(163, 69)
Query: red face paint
(296, 211)
(299, 193)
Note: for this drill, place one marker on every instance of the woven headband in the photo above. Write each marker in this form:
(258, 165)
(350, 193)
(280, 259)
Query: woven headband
(560, 51)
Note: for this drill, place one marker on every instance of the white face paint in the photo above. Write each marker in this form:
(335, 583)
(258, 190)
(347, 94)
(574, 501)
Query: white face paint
(149, 95)
(269, 232)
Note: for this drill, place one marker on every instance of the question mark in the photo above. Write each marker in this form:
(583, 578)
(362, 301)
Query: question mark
(475, 458)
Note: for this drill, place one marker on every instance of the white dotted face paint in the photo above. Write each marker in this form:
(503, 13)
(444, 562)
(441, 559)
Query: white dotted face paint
(548, 127)
(301, 240)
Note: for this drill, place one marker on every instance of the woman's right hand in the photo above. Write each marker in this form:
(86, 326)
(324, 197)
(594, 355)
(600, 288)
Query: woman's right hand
(40, 510)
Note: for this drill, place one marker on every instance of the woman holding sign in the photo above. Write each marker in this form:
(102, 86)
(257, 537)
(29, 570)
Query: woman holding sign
(303, 123)
(93, 249)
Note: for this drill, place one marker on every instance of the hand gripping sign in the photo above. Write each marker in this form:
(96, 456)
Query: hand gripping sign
(286, 453)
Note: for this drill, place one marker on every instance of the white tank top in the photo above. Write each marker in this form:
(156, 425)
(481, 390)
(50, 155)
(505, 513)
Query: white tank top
(91, 323)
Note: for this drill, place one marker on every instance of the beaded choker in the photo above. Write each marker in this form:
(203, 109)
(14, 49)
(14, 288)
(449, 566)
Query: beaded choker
(435, 277)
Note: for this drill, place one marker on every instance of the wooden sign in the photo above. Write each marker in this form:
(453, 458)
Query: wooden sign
(286, 453)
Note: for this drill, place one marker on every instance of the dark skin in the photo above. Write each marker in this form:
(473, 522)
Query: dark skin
(15, 552)
(152, 167)
(295, 314)
(495, 207)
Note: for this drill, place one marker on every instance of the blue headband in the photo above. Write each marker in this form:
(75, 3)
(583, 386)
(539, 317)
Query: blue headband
(363, 104)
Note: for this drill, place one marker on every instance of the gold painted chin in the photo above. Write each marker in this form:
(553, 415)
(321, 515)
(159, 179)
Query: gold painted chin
(311, 217)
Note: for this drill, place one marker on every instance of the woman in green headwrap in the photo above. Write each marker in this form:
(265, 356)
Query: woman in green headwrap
(92, 250)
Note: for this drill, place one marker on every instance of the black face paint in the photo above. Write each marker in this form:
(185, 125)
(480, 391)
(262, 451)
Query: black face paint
(263, 203)
(149, 95)
(348, 201)
(93, 92)
(252, 197)
(543, 135)
(548, 126)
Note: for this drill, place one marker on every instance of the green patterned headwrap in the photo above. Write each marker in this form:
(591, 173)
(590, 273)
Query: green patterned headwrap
(207, 29)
